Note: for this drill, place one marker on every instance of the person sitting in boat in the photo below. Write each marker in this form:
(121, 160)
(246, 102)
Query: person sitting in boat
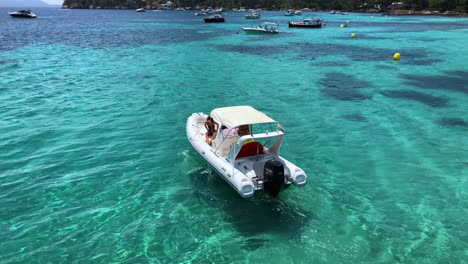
(211, 130)
(243, 130)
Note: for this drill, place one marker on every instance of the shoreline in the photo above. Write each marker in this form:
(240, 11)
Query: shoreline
(397, 13)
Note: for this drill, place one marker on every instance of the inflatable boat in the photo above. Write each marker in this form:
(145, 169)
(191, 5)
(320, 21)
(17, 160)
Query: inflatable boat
(244, 150)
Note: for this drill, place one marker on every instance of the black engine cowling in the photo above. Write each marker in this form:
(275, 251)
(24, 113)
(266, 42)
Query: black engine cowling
(273, 174)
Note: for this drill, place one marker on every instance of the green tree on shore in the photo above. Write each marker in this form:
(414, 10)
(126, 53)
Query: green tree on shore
(350, 5)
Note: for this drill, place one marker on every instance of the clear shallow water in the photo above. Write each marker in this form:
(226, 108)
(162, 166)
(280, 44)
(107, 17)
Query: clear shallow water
(95, 166)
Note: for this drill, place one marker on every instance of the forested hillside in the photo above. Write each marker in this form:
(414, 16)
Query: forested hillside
(350, 5)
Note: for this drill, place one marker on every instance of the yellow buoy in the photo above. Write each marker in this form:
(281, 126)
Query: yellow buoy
(358, 18)
(347, 21)
(342, 26)
(353, 35)
(396, 56)
(372, 17)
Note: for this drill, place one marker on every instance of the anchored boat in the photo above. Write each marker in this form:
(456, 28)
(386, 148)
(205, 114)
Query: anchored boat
(253, 15)
(265, 27)
(214, 19)
(245, 150)
(306, 23)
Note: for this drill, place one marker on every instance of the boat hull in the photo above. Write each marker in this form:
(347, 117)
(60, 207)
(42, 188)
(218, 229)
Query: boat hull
(258, 32)
(297, 25)
(210, 20)
(196, 136)
(22, 16)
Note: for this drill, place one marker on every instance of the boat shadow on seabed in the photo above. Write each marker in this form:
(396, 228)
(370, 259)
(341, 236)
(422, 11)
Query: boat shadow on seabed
(254, 216)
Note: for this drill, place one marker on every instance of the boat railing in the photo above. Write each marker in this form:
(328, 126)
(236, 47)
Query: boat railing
(227, 142)
(230, 136)
(272, 150)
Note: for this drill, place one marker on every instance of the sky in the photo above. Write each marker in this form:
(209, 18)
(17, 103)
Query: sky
(54, 2)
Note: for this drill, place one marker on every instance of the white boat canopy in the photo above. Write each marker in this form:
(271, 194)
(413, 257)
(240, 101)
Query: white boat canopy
(235, 116)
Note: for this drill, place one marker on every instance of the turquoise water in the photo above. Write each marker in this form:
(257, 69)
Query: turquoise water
(95, 166)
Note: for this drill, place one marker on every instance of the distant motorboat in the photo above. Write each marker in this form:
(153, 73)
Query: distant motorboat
(306, 23)
(214, 19)
(180, 9)
(264, 28)
(200, 13)
(214, 11)
(289, 13)
(140, 10)
(298, 13)
(253, 15)
(333, 12)
(23, 14)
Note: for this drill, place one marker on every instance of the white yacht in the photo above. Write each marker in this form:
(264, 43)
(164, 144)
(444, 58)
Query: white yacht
(23, 14)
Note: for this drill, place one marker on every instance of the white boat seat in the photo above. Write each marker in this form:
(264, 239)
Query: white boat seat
(225, 146)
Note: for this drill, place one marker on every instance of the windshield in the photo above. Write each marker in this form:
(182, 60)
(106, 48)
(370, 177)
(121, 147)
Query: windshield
(263, 128)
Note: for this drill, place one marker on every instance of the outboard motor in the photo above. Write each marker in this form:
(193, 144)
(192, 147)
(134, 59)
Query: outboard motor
(273, 174)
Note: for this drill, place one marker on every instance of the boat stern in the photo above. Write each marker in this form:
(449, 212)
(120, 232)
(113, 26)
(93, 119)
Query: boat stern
(296, 175)
(247, 189)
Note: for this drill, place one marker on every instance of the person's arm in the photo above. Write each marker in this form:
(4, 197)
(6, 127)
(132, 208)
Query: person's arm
(216, 126)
